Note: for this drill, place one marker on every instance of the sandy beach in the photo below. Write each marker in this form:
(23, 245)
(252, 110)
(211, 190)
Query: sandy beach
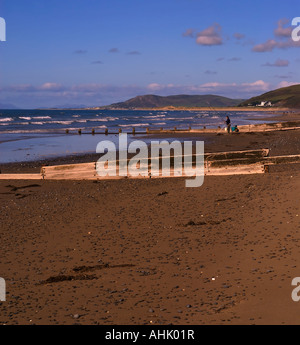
(153, 251)
(112, 211)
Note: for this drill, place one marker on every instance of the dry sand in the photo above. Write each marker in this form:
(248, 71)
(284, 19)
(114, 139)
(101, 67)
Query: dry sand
(153, 251)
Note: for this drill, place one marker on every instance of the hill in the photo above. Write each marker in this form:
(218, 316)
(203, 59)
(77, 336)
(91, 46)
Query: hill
(4, 106)
(186, 101)
(286, 97)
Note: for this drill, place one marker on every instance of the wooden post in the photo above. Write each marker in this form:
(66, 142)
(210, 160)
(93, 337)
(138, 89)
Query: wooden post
(106, 131)
(120, 130)
(93, 131)
(147, 130)
(67, 131)
(175, 129)
(204, 127)
(190, 128)
(79, 131)
(133, 130)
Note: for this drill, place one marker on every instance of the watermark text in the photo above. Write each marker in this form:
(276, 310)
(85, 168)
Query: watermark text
(184, 161)
(2, 29)
(295, 296)
(2, 290)
(296, 30)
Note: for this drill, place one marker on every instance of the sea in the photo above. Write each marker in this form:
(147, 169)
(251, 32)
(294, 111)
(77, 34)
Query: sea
(27, 135)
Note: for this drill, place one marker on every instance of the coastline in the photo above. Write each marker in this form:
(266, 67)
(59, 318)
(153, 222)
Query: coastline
(153, 251)
(171, 108)
(213, 143)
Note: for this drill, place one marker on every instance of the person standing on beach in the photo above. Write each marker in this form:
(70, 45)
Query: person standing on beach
(228, 124)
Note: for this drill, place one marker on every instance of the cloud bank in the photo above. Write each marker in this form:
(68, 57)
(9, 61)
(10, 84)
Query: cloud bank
(51, 94)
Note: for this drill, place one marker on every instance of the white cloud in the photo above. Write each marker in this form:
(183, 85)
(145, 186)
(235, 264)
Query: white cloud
(238, 36)
(235, 59)
(286, 84)
(258, 85)
(51, 87)
(265, 47)
(282, 31)
(277, 63)
(210, 36)
(134, 52)
(189, 33)
(208, 71)
(80, 51)
(270, 45)
(113, 50)
(154, 86)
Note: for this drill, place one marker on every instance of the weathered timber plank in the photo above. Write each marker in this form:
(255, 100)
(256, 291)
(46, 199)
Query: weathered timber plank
(20, 177)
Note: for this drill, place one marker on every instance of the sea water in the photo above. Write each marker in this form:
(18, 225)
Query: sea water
(39, 134)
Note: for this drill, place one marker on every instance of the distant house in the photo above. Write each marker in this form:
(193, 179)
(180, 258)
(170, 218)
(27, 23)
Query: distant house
(264, 104)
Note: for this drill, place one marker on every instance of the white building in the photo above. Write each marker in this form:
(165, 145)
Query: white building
(264, 104)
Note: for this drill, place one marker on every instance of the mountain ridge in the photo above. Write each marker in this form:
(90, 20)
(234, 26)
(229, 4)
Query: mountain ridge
(183, 101)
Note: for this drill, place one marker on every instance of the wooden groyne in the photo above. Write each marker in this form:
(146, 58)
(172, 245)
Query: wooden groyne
(264, 127)
(221, 163)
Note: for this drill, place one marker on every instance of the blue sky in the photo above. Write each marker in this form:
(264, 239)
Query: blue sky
(96, 52)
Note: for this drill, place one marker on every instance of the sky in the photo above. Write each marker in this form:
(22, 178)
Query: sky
(97, 52)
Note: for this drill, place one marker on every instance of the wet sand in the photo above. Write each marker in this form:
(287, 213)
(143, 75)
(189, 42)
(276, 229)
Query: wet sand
(153, 251)
(285, 116)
